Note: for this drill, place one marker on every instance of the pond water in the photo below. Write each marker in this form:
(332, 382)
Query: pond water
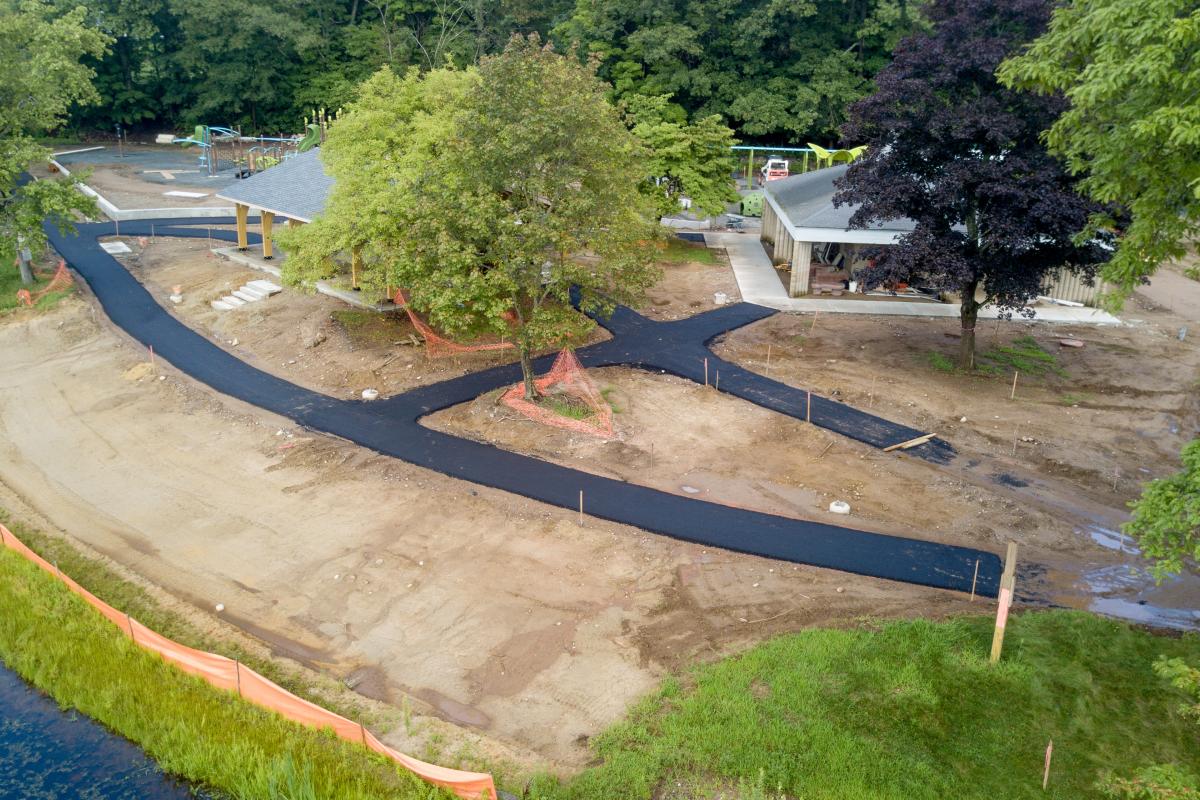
(49, 753)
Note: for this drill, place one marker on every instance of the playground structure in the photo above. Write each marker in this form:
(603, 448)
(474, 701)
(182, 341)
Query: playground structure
(775, 166)
(250, 154)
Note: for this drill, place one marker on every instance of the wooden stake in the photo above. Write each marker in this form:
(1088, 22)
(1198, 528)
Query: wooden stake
(974, 578)
(1008, 582)
(808, 408)
(1013, 394)
(768, 358)
(581, 508)
(706, 372)
(129, 622)
(153, 368)
(1016, 436)
(717, 384)
(1046, 771)
(362, 732)
(812, 327)
(238, 669)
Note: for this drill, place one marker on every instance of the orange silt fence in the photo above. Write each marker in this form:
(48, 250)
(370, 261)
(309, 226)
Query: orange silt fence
(226, 673)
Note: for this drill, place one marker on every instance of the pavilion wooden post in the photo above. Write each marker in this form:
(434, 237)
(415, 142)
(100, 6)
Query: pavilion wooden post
(1008, 582)
(355, 265)
(293, 223)
(268, 221)
(243, 213)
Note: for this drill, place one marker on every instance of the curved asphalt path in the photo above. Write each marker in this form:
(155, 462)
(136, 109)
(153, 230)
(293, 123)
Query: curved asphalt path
(392, 426)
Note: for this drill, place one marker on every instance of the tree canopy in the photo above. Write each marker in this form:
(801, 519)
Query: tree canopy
(41, 78)
(953, 150)
(1130, 70)
(1166, 518)
(774, 71)
(691, 160)
(490, 196)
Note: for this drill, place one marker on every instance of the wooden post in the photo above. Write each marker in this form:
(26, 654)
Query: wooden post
(1013, 394)
(974, 578)
(808, 408)
(1046, 770)
(363, 733)
(768, 358)
(243, 214)
(268, 221)
(238, 669)
(129, 622)
(153, 368)
(1008, 582)
(706, 372)
(717, 383)
(355, 263)
(293, 223)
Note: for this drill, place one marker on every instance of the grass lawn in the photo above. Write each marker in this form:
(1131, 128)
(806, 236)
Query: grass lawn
(10, 284)
(907, 710)
(58, 643)
(680, 251)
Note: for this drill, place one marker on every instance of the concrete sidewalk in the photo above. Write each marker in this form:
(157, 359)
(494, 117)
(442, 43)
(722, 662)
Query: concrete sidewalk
(759, 283)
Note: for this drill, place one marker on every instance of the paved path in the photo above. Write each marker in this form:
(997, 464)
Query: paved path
(392, 427)
(760, 283)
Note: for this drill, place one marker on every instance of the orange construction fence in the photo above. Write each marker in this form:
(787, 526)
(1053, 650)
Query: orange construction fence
(61, 280)
(225, 673)
(438, 346)
(569, 380)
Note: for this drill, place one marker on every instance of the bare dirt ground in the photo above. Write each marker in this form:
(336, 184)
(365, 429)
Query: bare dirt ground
(494, 612)
(502, 615)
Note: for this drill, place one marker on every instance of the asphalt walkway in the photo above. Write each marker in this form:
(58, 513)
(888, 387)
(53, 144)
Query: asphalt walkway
(392, 427)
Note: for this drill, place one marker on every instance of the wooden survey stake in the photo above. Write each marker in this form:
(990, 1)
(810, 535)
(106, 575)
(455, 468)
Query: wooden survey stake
(1008, 582)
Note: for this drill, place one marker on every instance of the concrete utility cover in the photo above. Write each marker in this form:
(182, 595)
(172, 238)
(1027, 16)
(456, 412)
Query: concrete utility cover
(115, 248)
(177, 193)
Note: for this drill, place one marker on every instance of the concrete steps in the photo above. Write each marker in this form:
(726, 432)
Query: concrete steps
(251, 292)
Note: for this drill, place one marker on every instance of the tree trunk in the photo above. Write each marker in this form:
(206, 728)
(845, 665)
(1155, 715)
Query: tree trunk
(531, 392)
(968, 315)
(24, 265)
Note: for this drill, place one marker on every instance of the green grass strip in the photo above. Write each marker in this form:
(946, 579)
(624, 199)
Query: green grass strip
(680, 251)
(907, 711)
(110, 587)
(61, 645)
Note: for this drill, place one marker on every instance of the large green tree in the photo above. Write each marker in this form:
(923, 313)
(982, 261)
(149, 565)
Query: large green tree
(536, 198)
(41, 77)
(1131, 71)
(379, 151)
(687, 159)
(490, 196)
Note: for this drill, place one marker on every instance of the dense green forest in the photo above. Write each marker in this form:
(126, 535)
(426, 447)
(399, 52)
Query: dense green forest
(775, 71)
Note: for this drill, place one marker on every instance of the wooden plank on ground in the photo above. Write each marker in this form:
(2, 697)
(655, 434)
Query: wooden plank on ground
(910, 443)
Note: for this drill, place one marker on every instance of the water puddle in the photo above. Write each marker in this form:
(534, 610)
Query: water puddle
(1128, 590)
(46, 752)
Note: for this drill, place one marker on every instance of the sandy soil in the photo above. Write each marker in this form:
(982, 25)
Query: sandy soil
(687, 289)
(404, 582)
(504, 615)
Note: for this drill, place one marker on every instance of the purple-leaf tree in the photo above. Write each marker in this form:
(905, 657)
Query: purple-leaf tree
(953, 150)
